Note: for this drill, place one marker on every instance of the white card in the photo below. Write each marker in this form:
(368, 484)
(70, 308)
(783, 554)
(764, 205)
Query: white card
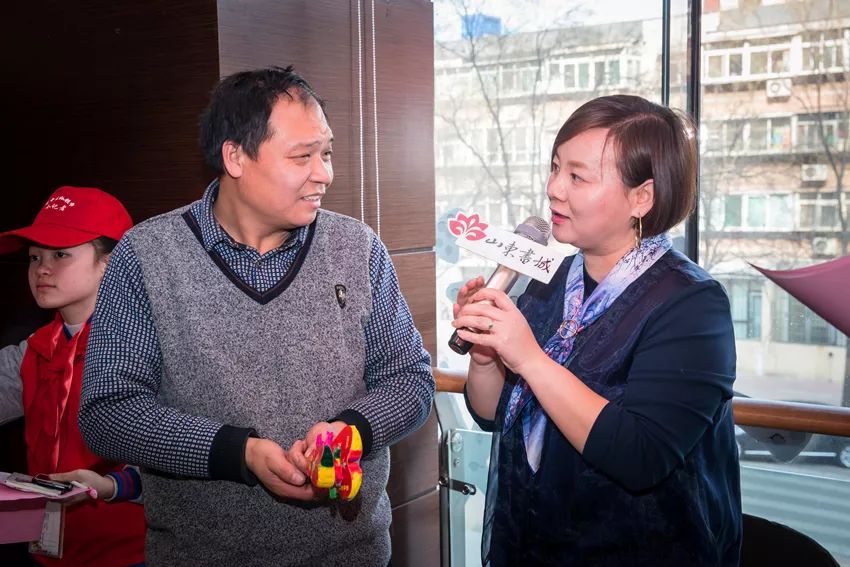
(52, 531)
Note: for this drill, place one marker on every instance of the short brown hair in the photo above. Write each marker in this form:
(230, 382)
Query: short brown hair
(651, 142)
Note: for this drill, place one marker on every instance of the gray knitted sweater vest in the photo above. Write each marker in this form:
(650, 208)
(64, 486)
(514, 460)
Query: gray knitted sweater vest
(279, 367)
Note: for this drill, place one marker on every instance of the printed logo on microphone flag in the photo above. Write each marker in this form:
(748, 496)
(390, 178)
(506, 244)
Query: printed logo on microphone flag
(511, 250)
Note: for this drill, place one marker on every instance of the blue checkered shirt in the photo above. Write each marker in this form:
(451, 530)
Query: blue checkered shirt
(124, 362)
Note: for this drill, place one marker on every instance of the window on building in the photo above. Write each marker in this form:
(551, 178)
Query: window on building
(756, 212)
(745, 297)
(736, 64)
(758, 63)
(780, 212)
(818, 211)
(758, 135)
(584, 75)
(828, 130)
(570, 76)
(599, 73)
(715, 66)
(793, 322)
(779, 60)
(780, 133)
(823, 51)
(614, 72)
(732, 211)
(733, 135)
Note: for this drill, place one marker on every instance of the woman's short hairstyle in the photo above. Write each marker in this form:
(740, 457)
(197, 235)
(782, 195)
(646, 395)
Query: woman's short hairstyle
(651, 142)
(240, 107)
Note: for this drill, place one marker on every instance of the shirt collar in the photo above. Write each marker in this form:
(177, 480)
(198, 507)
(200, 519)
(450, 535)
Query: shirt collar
(213, 235)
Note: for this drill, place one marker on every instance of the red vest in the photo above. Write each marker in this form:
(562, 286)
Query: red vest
(97, 533)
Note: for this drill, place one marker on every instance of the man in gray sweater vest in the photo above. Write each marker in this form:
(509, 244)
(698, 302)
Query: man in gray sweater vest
(230, 332)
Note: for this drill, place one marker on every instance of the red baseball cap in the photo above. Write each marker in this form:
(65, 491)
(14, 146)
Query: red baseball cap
(70, 217)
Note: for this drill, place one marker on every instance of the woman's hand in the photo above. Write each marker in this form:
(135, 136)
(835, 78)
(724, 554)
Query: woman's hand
(502, 329)
(480, 354)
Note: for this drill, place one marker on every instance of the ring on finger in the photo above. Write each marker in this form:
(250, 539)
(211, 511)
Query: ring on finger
(490, 326)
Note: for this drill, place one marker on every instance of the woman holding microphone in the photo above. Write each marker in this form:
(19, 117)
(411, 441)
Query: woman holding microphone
(608, 390)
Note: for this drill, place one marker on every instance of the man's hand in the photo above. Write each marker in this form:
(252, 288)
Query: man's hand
(303, 450)
(103, 485)
(269, 462)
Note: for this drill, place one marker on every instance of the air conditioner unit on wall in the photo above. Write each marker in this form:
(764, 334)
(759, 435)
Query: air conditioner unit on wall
(813, 172)
(778, 88)
(824, 246)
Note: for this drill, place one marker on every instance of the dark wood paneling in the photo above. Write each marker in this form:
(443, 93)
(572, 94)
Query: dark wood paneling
(103, 94)
(316, 38)
(405, 101)
(416, 532)
(415, 462)
(414, 469)
(417, 277)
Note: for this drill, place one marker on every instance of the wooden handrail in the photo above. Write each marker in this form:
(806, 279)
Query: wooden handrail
(792, 416)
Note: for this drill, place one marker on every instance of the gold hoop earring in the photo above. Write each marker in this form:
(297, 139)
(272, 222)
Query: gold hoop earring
(638, 231)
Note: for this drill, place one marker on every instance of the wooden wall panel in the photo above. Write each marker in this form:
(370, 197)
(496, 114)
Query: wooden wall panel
(417, 459)
(417, 277)
(405, 101)
(316, 38)
(416, 537)
(103, 94)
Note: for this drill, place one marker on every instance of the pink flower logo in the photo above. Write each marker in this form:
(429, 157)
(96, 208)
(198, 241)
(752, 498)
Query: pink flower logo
(470, 227)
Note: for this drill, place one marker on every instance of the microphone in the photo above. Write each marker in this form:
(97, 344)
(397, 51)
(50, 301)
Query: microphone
(533, 228)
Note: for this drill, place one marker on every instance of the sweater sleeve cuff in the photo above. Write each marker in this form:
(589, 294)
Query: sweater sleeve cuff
(357, 419)
(227, 455)
(128, 484)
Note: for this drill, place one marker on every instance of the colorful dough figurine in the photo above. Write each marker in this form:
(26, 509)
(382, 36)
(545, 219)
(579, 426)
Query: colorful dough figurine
(336, 464)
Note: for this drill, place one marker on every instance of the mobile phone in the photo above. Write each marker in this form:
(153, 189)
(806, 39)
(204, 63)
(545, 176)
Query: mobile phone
(59, 485)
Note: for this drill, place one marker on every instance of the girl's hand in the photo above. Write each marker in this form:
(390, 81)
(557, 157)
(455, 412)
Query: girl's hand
(480, 354)
(103, 485)
(501, 327)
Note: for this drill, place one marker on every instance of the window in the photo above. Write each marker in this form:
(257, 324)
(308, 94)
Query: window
(745, 297)
(736, 64)
(733, 135)
(779, 61)
(599, 73)
(754, 207)
(780, 133)
(756, 212)
(584, 75)
(833, 137)
(715, 66)
(779, 212)
(732, 211)
(569, 76)
(613, 72)
(819, 211)
(758, 63)
(823, 51)
(793, 322)
(758, 135)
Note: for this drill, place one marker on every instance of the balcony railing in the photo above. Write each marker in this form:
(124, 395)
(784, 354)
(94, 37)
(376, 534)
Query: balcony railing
(792, 416)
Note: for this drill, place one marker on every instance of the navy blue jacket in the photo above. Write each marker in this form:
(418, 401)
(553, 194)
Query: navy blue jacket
(658, 481)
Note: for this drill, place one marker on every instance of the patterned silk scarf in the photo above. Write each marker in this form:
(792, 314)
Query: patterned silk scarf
(578, 315)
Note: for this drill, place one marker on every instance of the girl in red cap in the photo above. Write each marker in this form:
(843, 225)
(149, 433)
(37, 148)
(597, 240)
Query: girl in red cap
(69, 245)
